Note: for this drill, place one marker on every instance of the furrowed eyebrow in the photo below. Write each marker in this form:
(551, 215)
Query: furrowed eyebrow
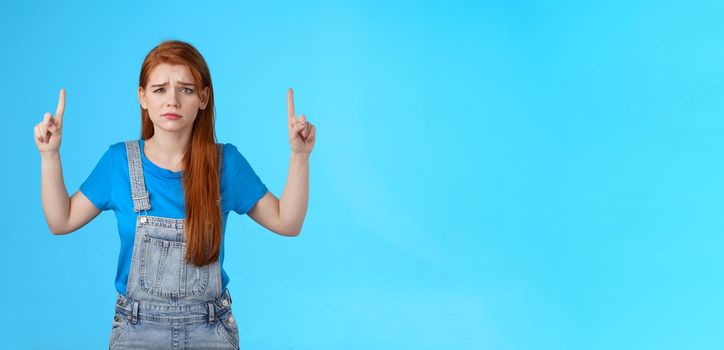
(180, 83)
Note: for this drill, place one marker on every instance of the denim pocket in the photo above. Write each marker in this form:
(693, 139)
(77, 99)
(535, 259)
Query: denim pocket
(120, 321)
(227, 326)
(165, 272)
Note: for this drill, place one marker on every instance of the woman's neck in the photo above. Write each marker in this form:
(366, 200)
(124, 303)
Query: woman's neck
(167, 149)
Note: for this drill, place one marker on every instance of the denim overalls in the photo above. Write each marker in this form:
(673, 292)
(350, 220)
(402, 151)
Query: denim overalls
(169, 303)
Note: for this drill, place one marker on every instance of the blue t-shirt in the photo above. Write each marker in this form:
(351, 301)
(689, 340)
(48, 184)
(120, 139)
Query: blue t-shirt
(109, 187)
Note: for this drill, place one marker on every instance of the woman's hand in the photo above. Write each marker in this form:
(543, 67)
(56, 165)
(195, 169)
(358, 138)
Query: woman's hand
(48, 132)
(301, 132)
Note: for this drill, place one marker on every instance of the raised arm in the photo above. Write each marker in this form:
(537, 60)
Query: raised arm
(286, 216)
(63, 214)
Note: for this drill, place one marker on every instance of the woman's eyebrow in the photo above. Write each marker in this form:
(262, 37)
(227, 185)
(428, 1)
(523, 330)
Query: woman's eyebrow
(166, 83)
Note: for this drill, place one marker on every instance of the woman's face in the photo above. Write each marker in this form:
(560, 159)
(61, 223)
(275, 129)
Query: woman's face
(170, 97)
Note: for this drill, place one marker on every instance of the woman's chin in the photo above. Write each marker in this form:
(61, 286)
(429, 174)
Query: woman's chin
(171, 127)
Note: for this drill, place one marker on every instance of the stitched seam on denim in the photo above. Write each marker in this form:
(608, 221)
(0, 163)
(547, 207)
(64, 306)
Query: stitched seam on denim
(225, 332)
(182, 272)
(119, 332)
(153, 287)
(139, 195)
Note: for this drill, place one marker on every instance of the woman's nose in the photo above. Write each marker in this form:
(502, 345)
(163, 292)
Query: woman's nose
(172, 99)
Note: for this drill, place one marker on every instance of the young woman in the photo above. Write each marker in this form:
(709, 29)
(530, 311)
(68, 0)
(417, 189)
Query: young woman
(172, 191)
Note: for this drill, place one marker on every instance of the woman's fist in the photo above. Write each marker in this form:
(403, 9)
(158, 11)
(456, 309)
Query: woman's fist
(48, 133)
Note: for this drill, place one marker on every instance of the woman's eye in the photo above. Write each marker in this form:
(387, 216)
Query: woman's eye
(184, 90)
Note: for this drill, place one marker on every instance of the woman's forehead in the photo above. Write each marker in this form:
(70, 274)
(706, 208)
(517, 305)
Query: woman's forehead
(171, 73)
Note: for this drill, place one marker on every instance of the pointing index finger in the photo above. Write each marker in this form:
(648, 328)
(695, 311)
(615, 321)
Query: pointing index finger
(290, 104)
(61, 106)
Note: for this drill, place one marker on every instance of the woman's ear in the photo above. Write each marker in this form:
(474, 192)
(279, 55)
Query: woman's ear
(142, 97)
(204, 98)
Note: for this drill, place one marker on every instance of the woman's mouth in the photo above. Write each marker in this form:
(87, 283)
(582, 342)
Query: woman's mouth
(172, 116)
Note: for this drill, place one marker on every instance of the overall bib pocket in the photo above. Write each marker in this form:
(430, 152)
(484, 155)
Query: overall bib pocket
(165, 272)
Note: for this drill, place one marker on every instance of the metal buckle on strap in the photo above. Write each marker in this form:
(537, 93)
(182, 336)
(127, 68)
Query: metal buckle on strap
(120, 301)
(224, 301)
(133, 316)
(141, 203)
(212, 311)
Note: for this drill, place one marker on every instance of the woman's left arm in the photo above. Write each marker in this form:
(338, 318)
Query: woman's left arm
(286, 216)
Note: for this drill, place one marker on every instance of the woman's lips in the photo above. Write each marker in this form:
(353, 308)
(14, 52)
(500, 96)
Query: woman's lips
(172, 116)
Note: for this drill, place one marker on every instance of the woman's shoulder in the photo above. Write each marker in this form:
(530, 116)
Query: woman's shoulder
(118, 150)
(119, 147)
(229, 151)
(231, 157)
(115, 148)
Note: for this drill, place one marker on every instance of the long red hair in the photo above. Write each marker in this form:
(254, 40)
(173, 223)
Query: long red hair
(203, 156)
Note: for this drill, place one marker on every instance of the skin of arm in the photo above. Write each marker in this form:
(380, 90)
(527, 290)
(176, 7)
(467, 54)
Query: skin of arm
(63, 214)
(286, 216)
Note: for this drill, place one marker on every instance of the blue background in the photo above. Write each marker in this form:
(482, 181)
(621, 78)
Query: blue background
(497, 175)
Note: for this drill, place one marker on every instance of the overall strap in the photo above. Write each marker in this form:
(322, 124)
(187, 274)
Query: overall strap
(139, 195)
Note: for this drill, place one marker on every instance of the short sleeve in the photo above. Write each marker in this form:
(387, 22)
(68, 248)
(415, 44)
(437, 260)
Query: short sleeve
(97, 187)
(248, 187)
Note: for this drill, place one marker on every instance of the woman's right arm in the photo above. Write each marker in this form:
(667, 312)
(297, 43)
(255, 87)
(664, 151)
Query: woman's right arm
(63, 214)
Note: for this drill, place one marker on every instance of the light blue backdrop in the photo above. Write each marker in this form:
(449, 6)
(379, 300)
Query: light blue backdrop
(487, 175)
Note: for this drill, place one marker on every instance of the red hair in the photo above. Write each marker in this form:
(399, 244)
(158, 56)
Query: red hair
(203, 156)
